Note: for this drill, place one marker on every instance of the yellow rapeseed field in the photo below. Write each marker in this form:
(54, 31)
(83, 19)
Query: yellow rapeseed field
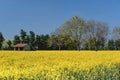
(59, 65)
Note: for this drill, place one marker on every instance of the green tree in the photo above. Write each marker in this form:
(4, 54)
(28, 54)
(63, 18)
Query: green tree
(9, 44)
(16, 40)
(52, 42)
(44, 42)
(117, 44)
(91, 43)
(37, 42)
(4, 45)
(23, 36)
(57, 41)
(74, 28)
(68, 43)
(1, 40)
(32, 40)
(111, 45)
(27, 40)
(101, 44)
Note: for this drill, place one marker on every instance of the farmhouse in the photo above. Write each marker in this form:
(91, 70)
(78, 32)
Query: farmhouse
(21, 46)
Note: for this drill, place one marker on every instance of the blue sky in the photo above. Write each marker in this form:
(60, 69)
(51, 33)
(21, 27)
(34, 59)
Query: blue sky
(44, 16)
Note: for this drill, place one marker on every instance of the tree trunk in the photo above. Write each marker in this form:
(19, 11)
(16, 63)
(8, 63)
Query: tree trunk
(59, 47)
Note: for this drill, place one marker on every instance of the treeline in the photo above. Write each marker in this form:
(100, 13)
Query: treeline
(36, 42)
(74, 34)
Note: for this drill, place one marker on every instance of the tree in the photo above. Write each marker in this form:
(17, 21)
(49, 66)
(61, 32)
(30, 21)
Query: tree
(91, 43)
(9, 44)
(37, 42)
(68, 43)
(16, 40)
(97, 32)
(111, 45)
(1, 40)
(44, 42)
(57, 41)
(4, 45)
(74, 28)
(101, 44)
(27, 40)
(52, 42)
(23, 36)
(32, 40)
(117, 44)
(116, 33)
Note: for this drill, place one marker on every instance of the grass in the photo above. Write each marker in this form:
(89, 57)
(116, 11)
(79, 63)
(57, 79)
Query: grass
(60, 65)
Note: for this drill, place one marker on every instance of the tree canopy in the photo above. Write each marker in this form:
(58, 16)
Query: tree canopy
(74, 34)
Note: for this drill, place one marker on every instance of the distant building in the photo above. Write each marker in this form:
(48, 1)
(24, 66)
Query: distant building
(21, 46)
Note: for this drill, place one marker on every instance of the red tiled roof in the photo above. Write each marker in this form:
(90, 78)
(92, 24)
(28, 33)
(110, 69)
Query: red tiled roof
(20, 45)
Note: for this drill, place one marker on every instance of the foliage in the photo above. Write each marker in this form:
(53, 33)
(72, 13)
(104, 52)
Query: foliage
(32, 40)
(91, 34)
(74, 34)
(23, 36)
(9, 45)
(75, 29)
(16, 40)
(42, 42)
(1, 39)
(117, 44)
(96, 34)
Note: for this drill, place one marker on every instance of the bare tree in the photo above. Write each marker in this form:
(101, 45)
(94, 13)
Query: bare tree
(97, 33)
(116, 33)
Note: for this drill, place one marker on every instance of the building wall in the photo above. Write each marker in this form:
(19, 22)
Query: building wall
(26, 48)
